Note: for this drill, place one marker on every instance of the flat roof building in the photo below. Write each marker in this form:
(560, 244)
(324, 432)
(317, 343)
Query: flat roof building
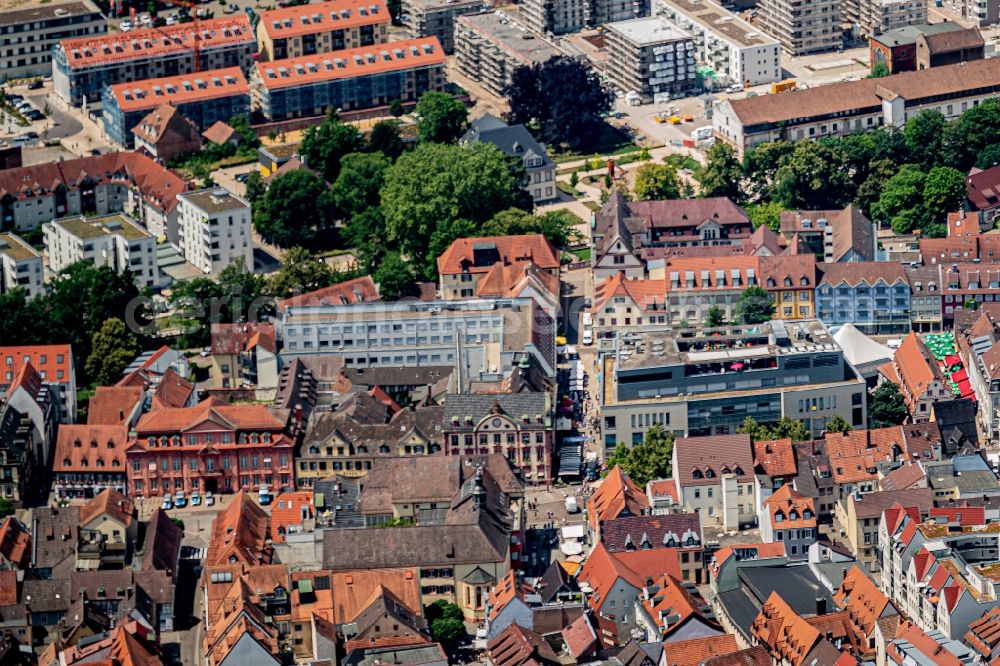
(558, 17)
(802, 27)
(736, 51)
(114, 241)
(651, 57)
(844, 108)
(490, 46)
(27, 34)
(706, 381)
(436, 18)
(203, 98)
(214, 229)
(81, 68)
(289, 32)
(352, 79)
(873, 17)
(20, 266)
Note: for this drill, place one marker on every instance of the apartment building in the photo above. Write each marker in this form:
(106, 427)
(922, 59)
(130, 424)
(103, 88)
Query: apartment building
(436, 18)
(490, 46)
(55, 368)
(203, 98)
(20, 266)
(714, 477)
(872, 295)
(214, 229)
(558, 17)
(468, 261)
(735, 50)
(834, 236)
(802, 27)
(980, 12)
(350, 79)
(483, 339)
(114, 241)
(82, 67)
(651, 57)
(839, 109)
(869, 18)
(518, 143)
(27, 34)
(707, 381)
(693, 287)
(290, 32)
(791, 279)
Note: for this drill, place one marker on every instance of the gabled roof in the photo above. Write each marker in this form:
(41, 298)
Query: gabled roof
(219, 133)
(913, 645)
(358, 290)
(510, 280)
(178, 419)
(698, 651)
(641, 292)
(161, 543)
(15, 543)
(239, 534)
(792, 508)
(670, 605)
(166, 123)
(236, 338)
(672, 530)
(579, 636)
(984, 634)
(111, 503)
(172, 390)
(775, 458)
(906, 476)
(788, 637)
(288, 509)
(514, 140)
(788, 272)
(525, 248)
(866, 603)
(915, 367)
(616, 496)
(701, 461)
(517, 646)
(112, 405)
(603, 569)
(58, 359)
(90, 449)
(861, 272)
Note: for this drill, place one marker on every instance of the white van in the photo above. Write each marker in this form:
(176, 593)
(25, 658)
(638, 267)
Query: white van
(588, 319)
(588, 337)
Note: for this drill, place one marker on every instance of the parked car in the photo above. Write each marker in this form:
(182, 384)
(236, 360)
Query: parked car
(195, 499)
(242, 177)
(591, 474)
(209, 498)
(125, 25)
(588, 337)
(168, 503)
(179, 500)
(35, 85)
(588, 319)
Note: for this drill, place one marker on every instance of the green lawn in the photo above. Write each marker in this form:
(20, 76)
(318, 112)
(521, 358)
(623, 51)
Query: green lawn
(609, 141)
(582, 253)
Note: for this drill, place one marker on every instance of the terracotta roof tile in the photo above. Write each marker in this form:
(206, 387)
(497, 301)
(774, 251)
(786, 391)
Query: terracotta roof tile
(287, 511)
(15, 543)
(792, 507)
(670, 605)
(859, 595)
(757, 551)
(901, 478)
(109, 502)
(602, 569)
(984, 634)
(787, 636)
(56, 361)
(177, 419)
(219, 133)
(705, 272)
(90, 449)
(112, 405)
(754, 656)
(240, 533)
(776, 458)
(664, 530)
(358, 290)
(616, 496)
(580, 637)
(517, 646)
(148, 94)
(926, 647)
(236, 338)
(641, 292)
(172, 391)
(788, 272)
(527, 248)
(302, 19)
(701, 461)
(696, 651)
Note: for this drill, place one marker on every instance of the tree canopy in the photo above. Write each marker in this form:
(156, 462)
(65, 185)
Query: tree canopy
(385, 138)
(294, 210)
(647, 461)
(300, 272)
(722, 173)
(786, 428)
(562, 96)
(755, 306)
(655, 182)
(887, 407)
(324, 145)
(112, 348)
(442, 117)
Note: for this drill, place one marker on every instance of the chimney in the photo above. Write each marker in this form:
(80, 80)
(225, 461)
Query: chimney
(820, 605)
(843, 574)
(478, 490)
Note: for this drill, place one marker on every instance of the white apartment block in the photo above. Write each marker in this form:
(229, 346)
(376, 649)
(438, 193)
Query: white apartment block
(802, 27)
(735, 50)
(214, 229)
(983, 12)
(20, 266)
(873, 17)
(114, 241)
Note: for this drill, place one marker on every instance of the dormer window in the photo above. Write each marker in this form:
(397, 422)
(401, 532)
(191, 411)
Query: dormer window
(710, 474)
(697, 474)
(794, 515)
(779, 517)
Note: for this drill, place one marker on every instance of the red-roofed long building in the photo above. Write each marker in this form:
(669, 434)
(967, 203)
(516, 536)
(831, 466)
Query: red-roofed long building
(88, 459)
(211, 447)
(81, 68)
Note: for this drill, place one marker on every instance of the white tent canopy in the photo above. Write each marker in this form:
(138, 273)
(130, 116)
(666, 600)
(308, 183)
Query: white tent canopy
(861, 351)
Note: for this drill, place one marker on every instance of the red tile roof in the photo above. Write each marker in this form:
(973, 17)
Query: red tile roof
(322, 17)
(705, 272)
(182, 89)
(701, 461)
(859, 595)
(236, 338)
(360, 62)
(616, 496)
(112, 405)
(787, 636)
(696, 651)
(240, 533)
(915, 367)
(509, 280)
(740, 552)
(219, 133)
(929, 648)
(56, 361)
(358, 290)
(984, 634)
(901, 478)
(641, 292)
(15, 543)
(525, 248)
(243, 417)
(111, 503)
(90, 449)
(287, 510)
(855, 273)
(776, 458)
(580, 637)
(602, 569)
(792, 507)
(98, 51)
(788, 272)
(172, 390)
(983, 189)
(517, 646)
(670, 605)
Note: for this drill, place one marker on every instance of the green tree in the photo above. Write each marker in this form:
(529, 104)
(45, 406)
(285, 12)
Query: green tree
(886, 406)
(443, 609)
(255, 188)
(901, 200)
(715, 317)
(879, 69)
(295, 209)
(396, 108)
(988, 156)
(435, 185)
(944, 192)
(967, 135)
(111, 350)
(324, 145)
(880, 171)
(648, 460)
(563, 97)
(755, 306)
(442, 238)
(574, 179)
(813, 176)
(766, 214)
(365, 232)
(357, 188)
(394, 277)
(655, 182)
(237, 295)
(556, 226)
(760, 167)
(442, 117)
(789, 428)
(722, 174)
(757, 432)
(384, 138)
(20, 318)
(248, 138)
(838, 424)
(924, 134)
(7, 507)
(300, 272)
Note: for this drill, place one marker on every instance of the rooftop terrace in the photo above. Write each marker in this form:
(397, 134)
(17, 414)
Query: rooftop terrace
(98, 227)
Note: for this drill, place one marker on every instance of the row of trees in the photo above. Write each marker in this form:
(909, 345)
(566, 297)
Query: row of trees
(909, 177)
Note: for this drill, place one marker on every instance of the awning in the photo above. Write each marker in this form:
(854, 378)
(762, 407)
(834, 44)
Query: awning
(965, 388)
(952, 359)
(960, 376)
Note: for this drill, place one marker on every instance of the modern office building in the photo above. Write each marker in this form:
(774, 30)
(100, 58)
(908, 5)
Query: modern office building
(490, 46)
(517, 142)
(27, 34)
(802, 27)
(698, 381)
(203, 98)
(651, 57)
(81, 68)
(290, 32)
(113, 240)
(352, 79)
(736, 51)
(20, 266)
(844, 108)
(482, 338)
(559, 17)
(868, 18)
(436, 18)
(214, 229)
